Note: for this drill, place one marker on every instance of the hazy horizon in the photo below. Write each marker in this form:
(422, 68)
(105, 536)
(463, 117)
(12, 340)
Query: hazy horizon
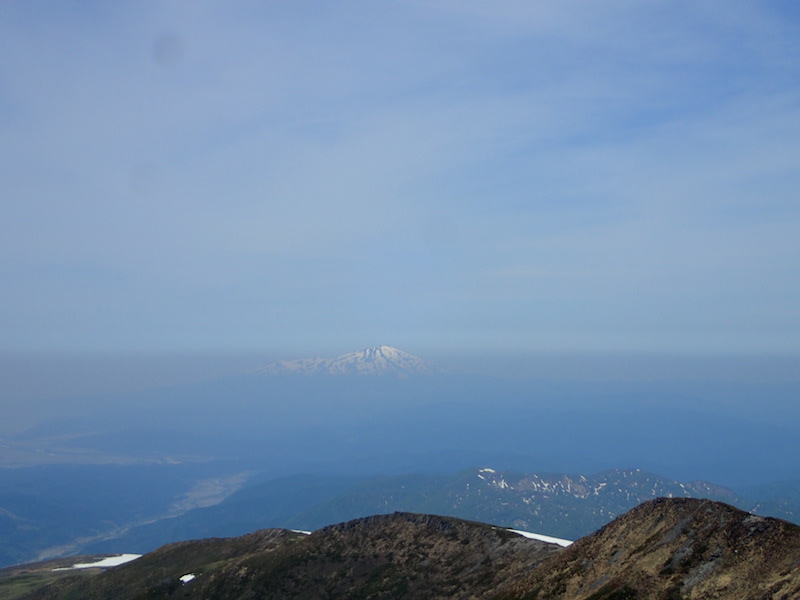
(38, 376)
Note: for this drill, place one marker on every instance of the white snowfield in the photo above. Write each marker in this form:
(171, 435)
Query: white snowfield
(542, 538)
(111, 561)
(187, 578)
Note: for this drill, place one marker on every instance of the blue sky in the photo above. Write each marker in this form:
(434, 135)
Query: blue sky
(310, 178)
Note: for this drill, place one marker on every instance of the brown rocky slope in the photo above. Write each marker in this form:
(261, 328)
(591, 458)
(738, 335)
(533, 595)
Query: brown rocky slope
(671, 549)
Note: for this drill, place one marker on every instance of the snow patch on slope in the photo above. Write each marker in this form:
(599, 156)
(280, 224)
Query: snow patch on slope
(110, 561)
(542, 538)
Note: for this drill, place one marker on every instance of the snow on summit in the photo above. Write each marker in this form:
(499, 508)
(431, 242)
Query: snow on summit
(378, 360)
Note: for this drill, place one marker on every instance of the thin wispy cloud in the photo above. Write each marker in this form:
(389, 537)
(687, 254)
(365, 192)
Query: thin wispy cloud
(249, 175)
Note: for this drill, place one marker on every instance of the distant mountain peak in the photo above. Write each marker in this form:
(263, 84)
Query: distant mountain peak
(377, 360)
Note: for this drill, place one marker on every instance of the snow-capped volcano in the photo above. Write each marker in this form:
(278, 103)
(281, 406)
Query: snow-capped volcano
(378, 360)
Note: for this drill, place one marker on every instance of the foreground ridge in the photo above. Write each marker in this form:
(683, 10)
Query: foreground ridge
(669, 548)
(401, 555)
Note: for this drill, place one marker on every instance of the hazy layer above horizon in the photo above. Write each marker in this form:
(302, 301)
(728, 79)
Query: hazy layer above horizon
(53, 376)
